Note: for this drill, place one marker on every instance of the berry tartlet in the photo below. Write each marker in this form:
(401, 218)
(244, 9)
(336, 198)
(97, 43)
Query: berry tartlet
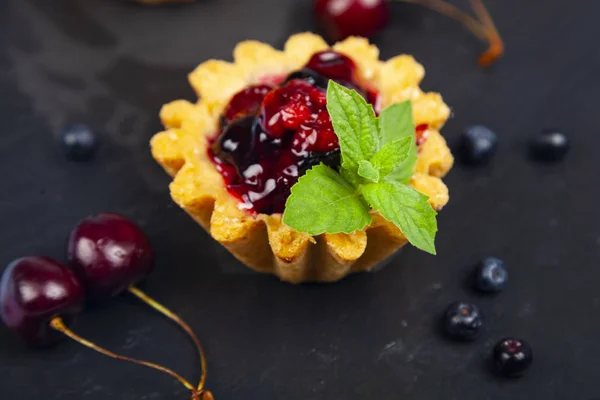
(261, 122)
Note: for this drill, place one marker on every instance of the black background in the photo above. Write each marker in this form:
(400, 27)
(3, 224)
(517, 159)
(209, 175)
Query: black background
(371, 336)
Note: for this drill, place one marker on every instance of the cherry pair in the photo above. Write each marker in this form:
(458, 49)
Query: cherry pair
(107, 254)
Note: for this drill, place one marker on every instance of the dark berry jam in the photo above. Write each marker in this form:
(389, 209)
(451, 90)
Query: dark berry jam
(271, 135)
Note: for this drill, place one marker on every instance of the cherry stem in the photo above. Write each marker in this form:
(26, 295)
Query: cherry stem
(58, 324)
(482, 27)
(496, 48)
(182, 324)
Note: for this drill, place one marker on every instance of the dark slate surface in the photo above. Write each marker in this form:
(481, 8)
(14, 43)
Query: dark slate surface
(371, 336)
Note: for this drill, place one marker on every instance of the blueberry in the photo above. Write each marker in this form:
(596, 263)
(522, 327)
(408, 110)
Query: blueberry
(310, 76)
(477, 144)
(549, 145)
(331, 159)
(490, 275)
(463, 321)
(512, 357)
(238, 141)
(79, 143)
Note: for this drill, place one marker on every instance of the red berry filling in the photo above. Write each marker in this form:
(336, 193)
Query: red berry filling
(421, 133)
(271, 136)
(299, 109)
(246, 102)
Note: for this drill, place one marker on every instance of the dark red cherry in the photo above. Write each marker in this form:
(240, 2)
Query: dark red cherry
(343, 18)
(33, 290)
(109, 253)
(246, 102)
(332, 65)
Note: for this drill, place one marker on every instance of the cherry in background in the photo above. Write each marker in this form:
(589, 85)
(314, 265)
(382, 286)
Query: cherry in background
(35, 290)
(109, 253)
(343, 18)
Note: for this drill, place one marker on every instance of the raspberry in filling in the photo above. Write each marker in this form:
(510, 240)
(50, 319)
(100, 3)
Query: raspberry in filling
(270, 136)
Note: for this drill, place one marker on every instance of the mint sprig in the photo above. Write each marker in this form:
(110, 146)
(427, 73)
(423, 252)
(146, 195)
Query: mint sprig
(378, 158)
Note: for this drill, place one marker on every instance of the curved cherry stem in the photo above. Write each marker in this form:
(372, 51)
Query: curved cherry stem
(482, 27)
(182, 324)
(496, 48)
(58, 324)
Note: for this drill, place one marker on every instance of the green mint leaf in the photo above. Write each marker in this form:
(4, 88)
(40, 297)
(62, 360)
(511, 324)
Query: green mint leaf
(354, 123)
(405, 170)
(396, 122)
(368, 171)
(407, 209)
(322, 201)
(390, 155)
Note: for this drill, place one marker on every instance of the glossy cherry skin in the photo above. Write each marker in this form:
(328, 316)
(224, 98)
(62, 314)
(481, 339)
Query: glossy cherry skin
(33, 290)
(343, 18)
(332, 65)
(246, 102)
(109, 253)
